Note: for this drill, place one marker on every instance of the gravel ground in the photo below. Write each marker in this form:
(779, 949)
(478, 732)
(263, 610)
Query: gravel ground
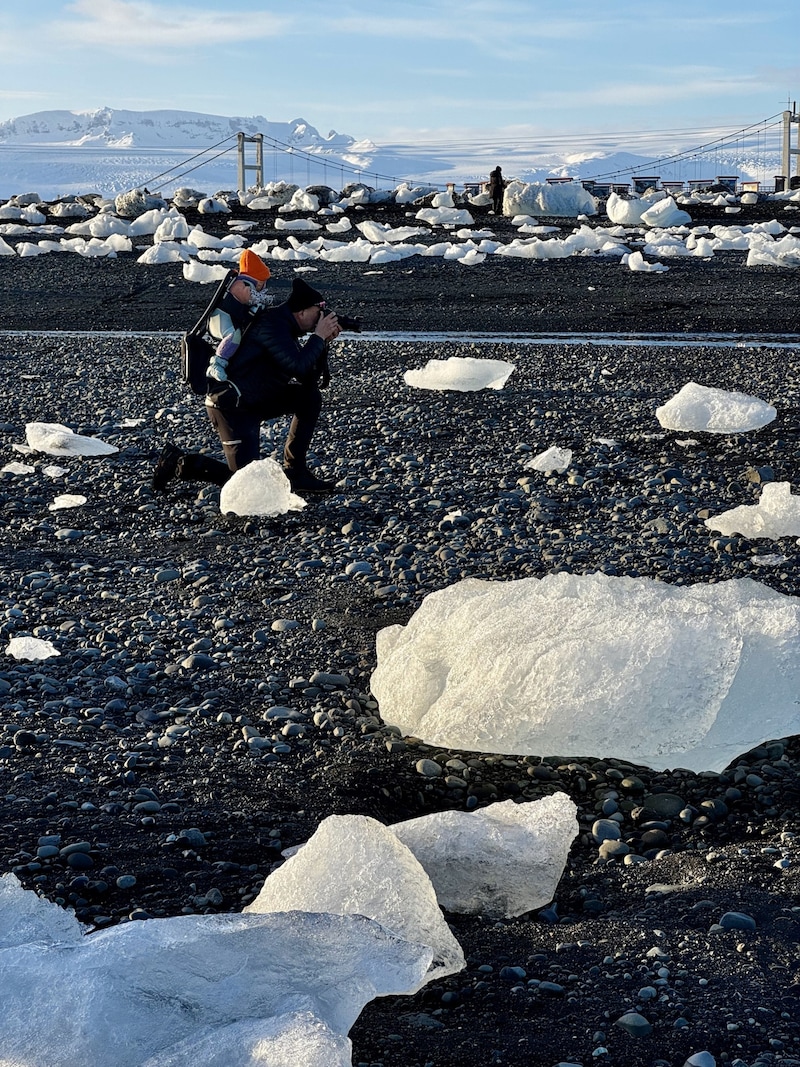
(501, 295)
(162, 610)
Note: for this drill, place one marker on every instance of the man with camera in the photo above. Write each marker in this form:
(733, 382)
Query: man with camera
(270, 374)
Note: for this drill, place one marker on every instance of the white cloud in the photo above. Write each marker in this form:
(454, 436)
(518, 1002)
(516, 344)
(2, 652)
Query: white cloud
(139, 24)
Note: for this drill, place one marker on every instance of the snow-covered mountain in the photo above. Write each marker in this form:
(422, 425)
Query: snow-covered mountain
(108, 151)
(155, 129)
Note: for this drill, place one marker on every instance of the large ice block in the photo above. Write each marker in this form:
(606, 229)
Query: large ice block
(596, 665)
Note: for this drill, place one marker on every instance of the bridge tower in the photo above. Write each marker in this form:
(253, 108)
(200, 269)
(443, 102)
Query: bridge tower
(258, 166)
(790, 118)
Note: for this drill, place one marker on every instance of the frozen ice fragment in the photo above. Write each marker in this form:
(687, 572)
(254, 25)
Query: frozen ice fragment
(464, 374)
(354, 865)
(504, 859)
(58, 440)
(698, 407)
(552, 459)
(67, 500)
(32, 648)
(260, 488)
(776, 515)
(593, 664)
(134, 993)
(295, 1040)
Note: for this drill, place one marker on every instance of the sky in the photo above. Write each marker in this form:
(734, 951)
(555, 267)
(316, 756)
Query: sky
(438, 71)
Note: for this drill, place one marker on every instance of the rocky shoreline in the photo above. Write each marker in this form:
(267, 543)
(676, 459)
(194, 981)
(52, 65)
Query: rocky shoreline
(134, 750)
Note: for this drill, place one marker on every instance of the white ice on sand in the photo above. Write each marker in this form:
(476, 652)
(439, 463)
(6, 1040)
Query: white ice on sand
(260, 488)
(629, 668)
(15, 467)
(776, 515)
(220, 990)
(504, 859)
(353, 865)
(57, 440)
(568, 199)
(701, 408)
(67, 500)
(32, 648)
(464, 374)
(553, 458)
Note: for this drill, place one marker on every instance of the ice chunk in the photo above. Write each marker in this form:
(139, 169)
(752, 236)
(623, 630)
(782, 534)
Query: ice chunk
(624, 212)
(504, 859)
(462, 373)
(698, 407)
(58, 440)
(353, 865)
(593, 664)
(260, 488)
(565, 199)
(28, 917)
(636, 261)
(777, 514)
(665, 212)
(445, 216)
(295, 1040)
(136, 992)
(17, 468)
(67, 500)
(552, 459)
(31, 648)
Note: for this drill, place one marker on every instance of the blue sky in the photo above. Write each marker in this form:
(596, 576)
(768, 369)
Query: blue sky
(442, 69)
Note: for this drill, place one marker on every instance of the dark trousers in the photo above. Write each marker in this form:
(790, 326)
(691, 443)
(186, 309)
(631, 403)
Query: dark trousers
(239, 432)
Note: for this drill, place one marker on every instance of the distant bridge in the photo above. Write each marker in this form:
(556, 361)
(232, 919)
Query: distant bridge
(766, 142)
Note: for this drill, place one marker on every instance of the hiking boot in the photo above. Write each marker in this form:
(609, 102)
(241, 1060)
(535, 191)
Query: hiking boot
(303, 481)
(166, 467)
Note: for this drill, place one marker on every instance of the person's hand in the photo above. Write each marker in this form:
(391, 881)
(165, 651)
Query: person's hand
(328, 327)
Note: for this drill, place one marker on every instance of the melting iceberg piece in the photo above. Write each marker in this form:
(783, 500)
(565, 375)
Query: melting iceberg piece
(593, 664)
(31, 648)
(354, 865)
(553, 458)
(144, 992)
(697, 407)
(260, 488)
(777, 514)
(461, 373)
(58, 440)
(295, 1040)
(504, 859)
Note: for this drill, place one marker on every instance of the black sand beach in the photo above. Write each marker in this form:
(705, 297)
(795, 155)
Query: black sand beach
(161, 608)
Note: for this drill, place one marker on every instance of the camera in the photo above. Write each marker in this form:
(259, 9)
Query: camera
(346, 322)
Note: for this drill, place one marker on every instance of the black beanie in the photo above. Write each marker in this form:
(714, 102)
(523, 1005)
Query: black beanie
(303, 296)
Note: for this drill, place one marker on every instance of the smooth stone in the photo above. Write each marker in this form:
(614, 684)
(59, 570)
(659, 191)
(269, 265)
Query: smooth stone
(667, 805)
(635, 1024)
(428, 767)
(737, 920)
(606, 830)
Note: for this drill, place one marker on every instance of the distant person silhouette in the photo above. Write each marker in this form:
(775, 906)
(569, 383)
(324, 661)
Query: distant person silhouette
(496, 188)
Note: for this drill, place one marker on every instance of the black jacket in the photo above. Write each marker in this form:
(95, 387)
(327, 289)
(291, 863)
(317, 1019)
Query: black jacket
(271, 355)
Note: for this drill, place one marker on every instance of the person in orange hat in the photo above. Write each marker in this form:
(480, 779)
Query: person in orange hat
(245, 297)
